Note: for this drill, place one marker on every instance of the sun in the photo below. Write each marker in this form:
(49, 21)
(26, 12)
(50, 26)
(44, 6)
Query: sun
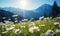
(23, 4)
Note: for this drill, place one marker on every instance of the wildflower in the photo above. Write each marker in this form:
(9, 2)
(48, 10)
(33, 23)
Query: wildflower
(41, 25)
(31, 19)
(34, 29)
(49, 33)
(9, 28)
(59, 26)
(41, 18)
(1, 23)
(4, 32)
(45, 18)
(13, 25)
(57, 30)
(3, 17)
(3, 26)
(0, 35)
(22, 26)
(24, 20)
(50, 17)
(56, 23)
(16, 21)
(7, 22)
(57, 17)
(32, 24)
(9, 19)
(15, 18)
(17, 31)
(14, 15)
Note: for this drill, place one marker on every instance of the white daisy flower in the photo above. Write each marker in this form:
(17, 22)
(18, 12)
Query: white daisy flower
(59, 26)
(4, 32)
(1, 23)
(15, 21)
(41, 18)
(22, 26)
(31, 19)
(0, 35)
(3, 17)
(3, 26)
(57, 17)
(9, 19)
(56, 23)
(9, 28)
(32, 24)
(45, 18)
(13, 25)
(49, 32)
(7, 22)
(34, 29)
(14, 15)
(57, 30)
(24, 20)
(50, 17)
(17, 31)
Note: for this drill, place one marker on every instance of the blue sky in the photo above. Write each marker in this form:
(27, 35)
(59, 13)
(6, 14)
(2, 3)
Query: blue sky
(33, 4)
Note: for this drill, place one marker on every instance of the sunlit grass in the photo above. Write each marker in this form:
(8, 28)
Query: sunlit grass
(31, 28)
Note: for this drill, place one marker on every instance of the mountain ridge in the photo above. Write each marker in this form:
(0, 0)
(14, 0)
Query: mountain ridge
(31, 13)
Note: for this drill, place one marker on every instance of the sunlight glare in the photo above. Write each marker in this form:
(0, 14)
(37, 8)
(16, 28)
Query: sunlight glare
(23, 4)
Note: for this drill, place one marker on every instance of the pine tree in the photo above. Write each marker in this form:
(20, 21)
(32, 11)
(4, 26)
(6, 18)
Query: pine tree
(45, 14)
(55, 10)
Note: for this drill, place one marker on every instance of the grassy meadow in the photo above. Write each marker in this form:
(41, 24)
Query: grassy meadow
(41, 27)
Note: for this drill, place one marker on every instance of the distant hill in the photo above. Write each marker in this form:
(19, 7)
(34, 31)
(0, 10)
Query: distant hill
(44, 9)
(5, 15)
(31, 13)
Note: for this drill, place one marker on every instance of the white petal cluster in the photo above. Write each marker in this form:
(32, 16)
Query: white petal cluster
(17, 31)
(24, 20)
(34, 29)
(10, 28)
(14, 15)
(32, 24)
(31, 19)
(22, 26)
(3, 17)
(0, 35)
(49, 32)
(56, 23)
(41, 18)
(4, 32)
(57, 30)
